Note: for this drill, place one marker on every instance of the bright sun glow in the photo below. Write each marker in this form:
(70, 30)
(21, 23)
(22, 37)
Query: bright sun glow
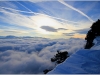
(42, 20)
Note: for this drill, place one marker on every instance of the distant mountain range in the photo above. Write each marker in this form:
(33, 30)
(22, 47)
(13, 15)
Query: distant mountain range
(12, 36)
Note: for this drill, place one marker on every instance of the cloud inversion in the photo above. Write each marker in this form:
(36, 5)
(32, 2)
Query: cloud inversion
(32, 55)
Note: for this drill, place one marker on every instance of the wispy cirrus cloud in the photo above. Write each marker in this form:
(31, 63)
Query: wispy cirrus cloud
(16, 19)
(34, 22)
(68, 34)
(31, 12)
(52, 17)
(62, 29)
(82, 31)
(7, 3)
(61, 1)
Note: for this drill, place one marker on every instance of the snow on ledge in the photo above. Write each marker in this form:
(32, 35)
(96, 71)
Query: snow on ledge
(82, 62)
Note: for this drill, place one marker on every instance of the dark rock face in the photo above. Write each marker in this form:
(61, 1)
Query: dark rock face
(92, 33)
(46, 71)
(60, 57)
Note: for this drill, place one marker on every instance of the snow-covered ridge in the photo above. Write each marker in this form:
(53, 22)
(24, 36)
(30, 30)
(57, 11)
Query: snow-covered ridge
(97, 43)
(84, 61)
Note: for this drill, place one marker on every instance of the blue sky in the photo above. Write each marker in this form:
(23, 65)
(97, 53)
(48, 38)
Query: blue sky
(49, 19)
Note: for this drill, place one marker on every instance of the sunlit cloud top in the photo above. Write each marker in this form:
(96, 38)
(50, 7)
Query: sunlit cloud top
(49, 19)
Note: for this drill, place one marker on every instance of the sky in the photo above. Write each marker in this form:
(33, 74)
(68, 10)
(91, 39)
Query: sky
(48, 18)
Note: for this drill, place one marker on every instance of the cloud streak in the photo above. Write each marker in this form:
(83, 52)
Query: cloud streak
(24, 6)
(31, 12)
(82, 31)
(61, 1)
(69, 34)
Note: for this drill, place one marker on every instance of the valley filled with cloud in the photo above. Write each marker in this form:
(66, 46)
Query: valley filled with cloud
(32, 55)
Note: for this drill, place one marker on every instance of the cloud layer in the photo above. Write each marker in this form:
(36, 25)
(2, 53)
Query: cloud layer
(32, 55)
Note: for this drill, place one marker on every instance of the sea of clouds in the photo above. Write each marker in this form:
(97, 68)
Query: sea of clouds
(32, 55)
